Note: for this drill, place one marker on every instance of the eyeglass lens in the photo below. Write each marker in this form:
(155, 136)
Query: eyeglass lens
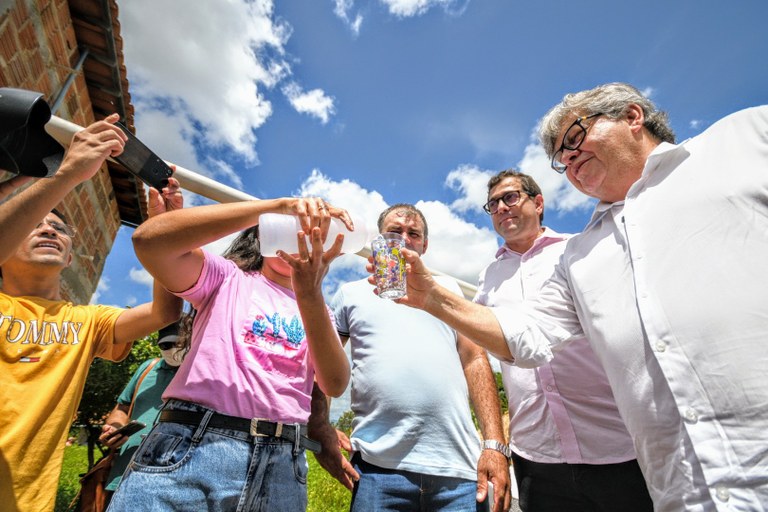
(58, 227)
(166, 345)
(510, 199)
(572, 139)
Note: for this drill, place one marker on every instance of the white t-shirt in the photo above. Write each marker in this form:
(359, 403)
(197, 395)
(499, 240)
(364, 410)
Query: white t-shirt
(409, 393)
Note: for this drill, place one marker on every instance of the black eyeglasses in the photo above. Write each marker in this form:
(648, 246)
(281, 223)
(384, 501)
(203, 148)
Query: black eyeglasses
(59, 228)
(511, 198)
(574, 136)
(166, 345)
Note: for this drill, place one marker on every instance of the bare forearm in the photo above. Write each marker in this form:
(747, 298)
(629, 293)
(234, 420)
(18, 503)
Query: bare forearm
(180, 231)
(474, 321)
(328, 357)
(147, 318)
(485, 398)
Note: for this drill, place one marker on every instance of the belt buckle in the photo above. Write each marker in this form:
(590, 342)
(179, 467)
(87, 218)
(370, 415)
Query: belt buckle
(255, 424)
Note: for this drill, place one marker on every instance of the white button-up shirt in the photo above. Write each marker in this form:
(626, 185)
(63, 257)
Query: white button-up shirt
(671, 288)
(562, 411)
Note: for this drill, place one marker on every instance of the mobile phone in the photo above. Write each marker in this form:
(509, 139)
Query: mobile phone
(488, 503)
(128, 429)
(142, 162)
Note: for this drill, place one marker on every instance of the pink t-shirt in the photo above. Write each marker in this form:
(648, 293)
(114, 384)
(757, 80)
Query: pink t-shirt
(249, 355)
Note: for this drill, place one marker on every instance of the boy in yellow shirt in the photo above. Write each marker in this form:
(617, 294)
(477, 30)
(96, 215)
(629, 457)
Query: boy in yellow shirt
(47, 344)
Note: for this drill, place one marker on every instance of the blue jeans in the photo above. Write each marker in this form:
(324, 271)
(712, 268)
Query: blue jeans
(184, 467)
(380, 489)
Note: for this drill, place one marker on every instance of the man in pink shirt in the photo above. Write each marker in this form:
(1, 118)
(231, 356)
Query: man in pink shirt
(571, 450)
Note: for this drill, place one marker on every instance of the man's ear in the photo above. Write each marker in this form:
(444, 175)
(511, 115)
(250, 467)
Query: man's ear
(69, 258)
(426, 243)
(635, 117)
(539, 202)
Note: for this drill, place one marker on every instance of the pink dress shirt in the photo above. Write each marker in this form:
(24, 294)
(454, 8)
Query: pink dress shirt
(562, 411)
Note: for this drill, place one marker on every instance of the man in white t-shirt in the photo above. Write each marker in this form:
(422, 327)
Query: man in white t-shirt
(415, 445)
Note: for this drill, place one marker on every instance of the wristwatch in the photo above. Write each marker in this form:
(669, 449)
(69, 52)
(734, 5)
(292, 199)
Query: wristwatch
(492, 444)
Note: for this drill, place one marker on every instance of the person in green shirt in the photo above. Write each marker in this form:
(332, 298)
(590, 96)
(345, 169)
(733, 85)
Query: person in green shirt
(148, 402)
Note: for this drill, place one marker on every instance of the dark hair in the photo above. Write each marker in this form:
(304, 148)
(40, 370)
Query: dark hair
(58, 213)
(185, 331)
(530, 187)
(245, 252)
(409, 210)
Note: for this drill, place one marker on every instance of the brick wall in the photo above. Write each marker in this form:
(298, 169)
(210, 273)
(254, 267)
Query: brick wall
(37, 52)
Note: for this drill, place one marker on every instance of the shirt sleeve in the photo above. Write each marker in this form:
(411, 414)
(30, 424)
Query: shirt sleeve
(540, 327)
(105, 318)
(339, 313)
(215, 271)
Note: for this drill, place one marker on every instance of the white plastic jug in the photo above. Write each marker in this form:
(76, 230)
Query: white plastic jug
(278, 231)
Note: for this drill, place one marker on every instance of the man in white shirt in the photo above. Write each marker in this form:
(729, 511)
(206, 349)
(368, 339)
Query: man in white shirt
(667, 282)
(416, 447)
(571, 450)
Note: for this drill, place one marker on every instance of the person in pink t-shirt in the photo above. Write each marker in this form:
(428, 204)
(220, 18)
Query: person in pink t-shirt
(232, 432)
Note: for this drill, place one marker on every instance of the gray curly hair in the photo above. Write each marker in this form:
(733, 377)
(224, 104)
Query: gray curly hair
(612, 101)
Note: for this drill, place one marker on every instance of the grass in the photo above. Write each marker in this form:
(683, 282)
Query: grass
(75, 463)
(324, 492)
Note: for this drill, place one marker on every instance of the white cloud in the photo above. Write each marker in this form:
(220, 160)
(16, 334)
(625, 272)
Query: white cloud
(131, 301)
(347, 194)
(559, 194)
(694, 124)
(407, 8)
(314, 102)
(101, 287)
(222, 168)
(220, 245)
(456, 247)
(471, 183)
(141, 276)
(342, 9)
(208, 72)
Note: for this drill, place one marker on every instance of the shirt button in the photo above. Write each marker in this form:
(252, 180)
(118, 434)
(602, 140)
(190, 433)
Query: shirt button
(690, 416)
(549, 388)
(722, 493)
(661, 346)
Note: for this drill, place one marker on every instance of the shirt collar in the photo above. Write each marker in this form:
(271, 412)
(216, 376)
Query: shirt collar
(547, 236)
(654, 158)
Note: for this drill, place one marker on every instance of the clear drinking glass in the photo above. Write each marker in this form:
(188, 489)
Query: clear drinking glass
(387, 250)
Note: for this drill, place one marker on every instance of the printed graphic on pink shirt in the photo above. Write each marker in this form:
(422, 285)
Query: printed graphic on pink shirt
(278, 342)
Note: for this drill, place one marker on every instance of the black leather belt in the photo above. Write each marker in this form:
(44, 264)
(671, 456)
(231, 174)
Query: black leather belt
(255, 427)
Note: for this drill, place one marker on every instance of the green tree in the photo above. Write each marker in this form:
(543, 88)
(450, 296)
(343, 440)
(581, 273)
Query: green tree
(502, 394)
(344, 423)
(104, 384)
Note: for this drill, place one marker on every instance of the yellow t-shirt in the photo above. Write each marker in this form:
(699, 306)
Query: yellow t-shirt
(46, 348)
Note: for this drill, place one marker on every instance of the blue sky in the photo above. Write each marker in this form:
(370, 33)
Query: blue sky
(368, 103)
(373, 102)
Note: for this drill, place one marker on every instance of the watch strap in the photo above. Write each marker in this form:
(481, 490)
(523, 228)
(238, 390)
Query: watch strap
(492, 444)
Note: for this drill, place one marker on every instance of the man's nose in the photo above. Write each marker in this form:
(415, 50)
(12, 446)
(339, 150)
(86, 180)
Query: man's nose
(47, 229)
(502, 207)
(569, 155)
